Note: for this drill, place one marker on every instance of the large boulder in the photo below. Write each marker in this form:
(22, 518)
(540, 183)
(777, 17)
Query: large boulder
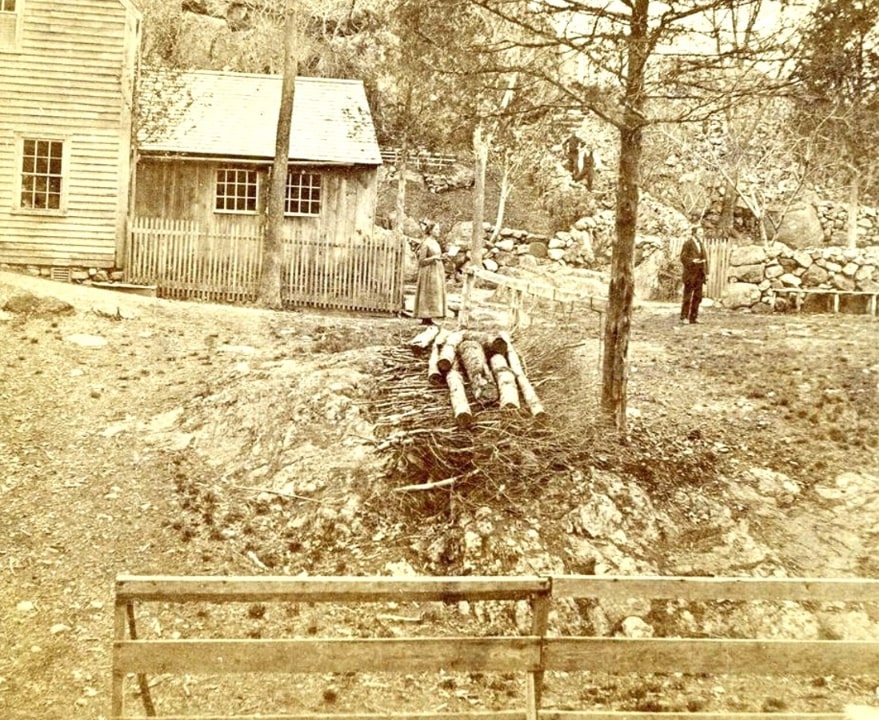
(842, 282)
(801, 227)
(741, 295)
(461, 235)
(747, 255)
(411, 227)
(647, 274)
(747, 273)
(814, 276)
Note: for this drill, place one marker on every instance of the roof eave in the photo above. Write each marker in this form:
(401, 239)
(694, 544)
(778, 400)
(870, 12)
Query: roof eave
(170, 155)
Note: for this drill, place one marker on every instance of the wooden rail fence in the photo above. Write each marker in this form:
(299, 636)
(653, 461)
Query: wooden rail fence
(222, 262)
(566, 299)
(421, 160)
(533, 654)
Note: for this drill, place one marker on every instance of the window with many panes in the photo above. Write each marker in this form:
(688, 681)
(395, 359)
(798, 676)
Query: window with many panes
(8, 24)
(303, 193)
(42, 178)
(237, 190)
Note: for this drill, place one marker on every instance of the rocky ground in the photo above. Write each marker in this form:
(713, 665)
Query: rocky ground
(148, 436)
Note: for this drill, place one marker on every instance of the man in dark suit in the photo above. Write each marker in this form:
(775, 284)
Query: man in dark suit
(695, 263)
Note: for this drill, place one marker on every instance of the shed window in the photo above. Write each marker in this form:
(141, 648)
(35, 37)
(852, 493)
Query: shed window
(42, 178)
(237, 190)
(303, 193)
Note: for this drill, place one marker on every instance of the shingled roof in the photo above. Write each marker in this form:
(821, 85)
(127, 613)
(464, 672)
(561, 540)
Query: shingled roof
(235, 115)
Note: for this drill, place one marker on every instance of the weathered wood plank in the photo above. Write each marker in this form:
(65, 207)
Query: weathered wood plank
(713, 656)
(709, 588)
(495, 654)
(473, 715)
(624, 715)
(314, 589)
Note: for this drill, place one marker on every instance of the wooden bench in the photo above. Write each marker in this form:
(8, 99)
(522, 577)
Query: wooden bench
(801, 293)
(534, 655)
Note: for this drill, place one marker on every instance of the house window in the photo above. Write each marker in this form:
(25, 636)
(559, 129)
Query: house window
(303, 194)
(9, 10)
(42, 178)
(237, 190)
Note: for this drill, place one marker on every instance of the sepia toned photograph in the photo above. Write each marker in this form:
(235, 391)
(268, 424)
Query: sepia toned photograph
(439, 359)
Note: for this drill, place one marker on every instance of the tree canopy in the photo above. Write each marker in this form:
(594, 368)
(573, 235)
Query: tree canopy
(838, 72)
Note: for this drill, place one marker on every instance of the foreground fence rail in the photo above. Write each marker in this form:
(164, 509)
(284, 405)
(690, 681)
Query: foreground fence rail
(222, 261)
(531, 655)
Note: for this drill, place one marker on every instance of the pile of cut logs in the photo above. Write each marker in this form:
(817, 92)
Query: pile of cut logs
(485, 362)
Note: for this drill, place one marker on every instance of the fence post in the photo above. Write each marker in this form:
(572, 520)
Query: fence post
(464, 310)
(540, 605)
(117, 706)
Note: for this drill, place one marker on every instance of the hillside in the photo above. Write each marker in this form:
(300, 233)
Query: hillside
(147, 436)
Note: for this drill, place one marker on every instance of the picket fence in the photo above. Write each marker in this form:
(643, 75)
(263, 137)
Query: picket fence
(719, 251)
(221, 262)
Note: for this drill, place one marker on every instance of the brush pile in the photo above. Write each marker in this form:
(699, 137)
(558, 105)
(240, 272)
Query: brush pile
(458, 410)
(488, 362)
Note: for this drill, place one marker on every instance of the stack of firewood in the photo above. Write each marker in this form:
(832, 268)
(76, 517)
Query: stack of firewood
(485, 363)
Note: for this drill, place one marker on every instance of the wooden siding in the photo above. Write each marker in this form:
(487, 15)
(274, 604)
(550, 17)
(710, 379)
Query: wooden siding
(70, 80)
(221, 262)
(185, 190)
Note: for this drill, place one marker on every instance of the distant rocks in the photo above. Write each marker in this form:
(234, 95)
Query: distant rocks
(25, 303)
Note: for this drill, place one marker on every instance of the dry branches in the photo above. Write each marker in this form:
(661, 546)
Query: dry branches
(502, 441)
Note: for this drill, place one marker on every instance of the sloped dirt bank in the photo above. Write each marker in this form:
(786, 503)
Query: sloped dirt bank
(146, 436)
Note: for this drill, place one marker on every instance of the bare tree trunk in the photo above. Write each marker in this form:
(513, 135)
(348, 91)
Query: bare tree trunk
(400, 205)
(728, 209)
(480, 151)
(854, 201)
(503, 194)
(621, 292)
(273, 245)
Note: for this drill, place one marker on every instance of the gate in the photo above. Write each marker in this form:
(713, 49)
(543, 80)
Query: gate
(719, 251)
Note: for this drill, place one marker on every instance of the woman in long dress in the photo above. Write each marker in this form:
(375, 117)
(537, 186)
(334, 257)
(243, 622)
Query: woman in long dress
(430, 289)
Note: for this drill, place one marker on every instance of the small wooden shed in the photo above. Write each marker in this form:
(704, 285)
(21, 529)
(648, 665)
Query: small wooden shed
(66, 84)
(206, 143)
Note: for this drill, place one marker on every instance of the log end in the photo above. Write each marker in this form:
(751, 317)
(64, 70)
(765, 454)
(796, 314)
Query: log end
(464, 419)
(498, 346)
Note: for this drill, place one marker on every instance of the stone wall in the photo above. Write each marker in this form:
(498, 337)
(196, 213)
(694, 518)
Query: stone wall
(756, 272)
(76, 274)
(834, 223)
